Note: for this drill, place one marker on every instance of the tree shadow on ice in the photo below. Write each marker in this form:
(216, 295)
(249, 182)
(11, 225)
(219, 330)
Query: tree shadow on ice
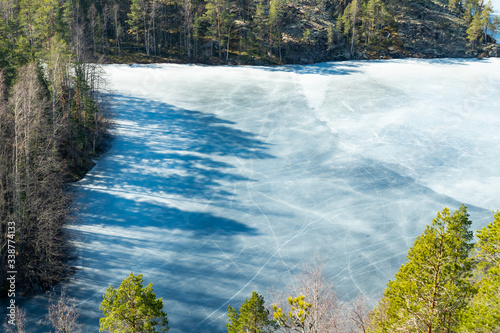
(129, 210)
(451, 61)
(152, 202)
(179, 282)
(164, 158)
(324, 68)
(189, 130)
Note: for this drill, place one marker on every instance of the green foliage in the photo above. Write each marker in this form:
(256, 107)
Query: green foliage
(7, 54)
(254, 30)
(432, 288)
(135, 17)
(219, 21)
(330, 37)
(252, 317)
(39, 20)
(132, 308)
(474, 31)
(296, 318)
(375, 16)
(306, 36)
(483, 315)
(51, 142)
(260, 30)
(478, 17)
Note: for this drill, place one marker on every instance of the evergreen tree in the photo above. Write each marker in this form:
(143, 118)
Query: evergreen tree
(330, 37)
(274, 23)
(132, 308)
(260, 27)
(349, 21)
(252, 317)
(296, 319)
(485, 18)
(374, 17)
(433, 286)
(136, 18)
(484, 312)
(475, 29)
(220, 20)
(495, 26)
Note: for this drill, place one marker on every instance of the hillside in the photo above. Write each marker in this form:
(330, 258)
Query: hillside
(286, 31)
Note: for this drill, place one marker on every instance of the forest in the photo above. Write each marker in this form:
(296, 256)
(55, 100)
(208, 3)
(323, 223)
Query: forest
(256, 31)
(284, 31)
(52, 123)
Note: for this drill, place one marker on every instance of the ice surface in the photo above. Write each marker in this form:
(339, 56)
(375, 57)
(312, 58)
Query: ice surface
(496, 6)
(225, 180)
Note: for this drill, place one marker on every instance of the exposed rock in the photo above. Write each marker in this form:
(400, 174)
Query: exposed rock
(421, 29)
(492, 50)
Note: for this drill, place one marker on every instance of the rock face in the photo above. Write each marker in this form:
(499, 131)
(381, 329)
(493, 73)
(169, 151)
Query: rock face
(419, 29)
(308, 31)
(492, 50)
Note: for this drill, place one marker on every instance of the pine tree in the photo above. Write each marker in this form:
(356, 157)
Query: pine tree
(432, 287)
(132, 308)
(349, 21)
(495, 26)
(295, 320)
(220, 19)
(475, 29)
(330, 37)
(260, 28)
(274, 23)
(135, 18)
(485, 19)
(374, 17)
(484, 312)
(252, 317)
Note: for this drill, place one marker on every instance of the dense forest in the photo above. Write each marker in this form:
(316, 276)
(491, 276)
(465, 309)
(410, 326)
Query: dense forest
(267, 31)
(52, 122)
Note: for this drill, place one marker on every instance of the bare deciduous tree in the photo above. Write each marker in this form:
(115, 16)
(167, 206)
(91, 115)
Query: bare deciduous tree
(62, 314)
(327, 313)
(359, 313)
(40, 204)
(20, 322)
(6, 179)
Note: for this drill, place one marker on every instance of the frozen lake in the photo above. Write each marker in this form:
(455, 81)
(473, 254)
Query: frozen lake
(225, 180)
